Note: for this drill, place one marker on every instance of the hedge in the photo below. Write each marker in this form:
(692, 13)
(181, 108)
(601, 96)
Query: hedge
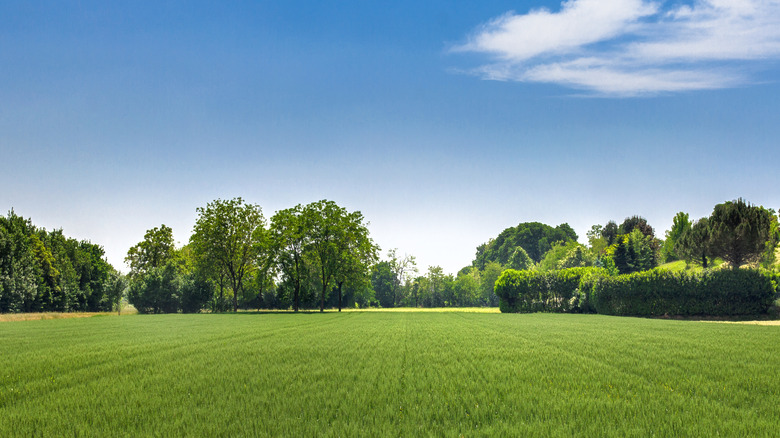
(659, 292)
(552, 291)
(649, 293)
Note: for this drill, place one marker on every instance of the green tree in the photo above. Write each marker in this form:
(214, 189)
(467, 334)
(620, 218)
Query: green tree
(633, 252)
(693, 244)
(610, 232)
(520, 260)
(157, 290)
(383, 283)
(566, 255)
(636, 223)
(488, 277)
(598, 243)
(339, 240)
(680, 224)
(155, 251)
(290, 240)
(403, 268)
(534, 237)
(467, 287)
(116, 288)
(739, 232)
(230, 233)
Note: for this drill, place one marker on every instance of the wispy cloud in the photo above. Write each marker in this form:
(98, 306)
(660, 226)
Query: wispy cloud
(632, 47)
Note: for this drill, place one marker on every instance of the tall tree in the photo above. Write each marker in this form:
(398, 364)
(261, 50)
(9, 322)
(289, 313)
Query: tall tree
(290, 240)
(739, 232)
(693, 244)
(680, 224)
(403, 268)
(227, 232)
(154, 251)
(340, 242)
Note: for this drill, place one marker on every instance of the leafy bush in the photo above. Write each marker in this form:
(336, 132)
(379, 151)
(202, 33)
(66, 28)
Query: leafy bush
(533, 291)
(660, 292)
(157, 291)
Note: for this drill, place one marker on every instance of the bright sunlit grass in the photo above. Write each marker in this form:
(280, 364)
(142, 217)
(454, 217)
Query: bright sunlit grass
(387, 374)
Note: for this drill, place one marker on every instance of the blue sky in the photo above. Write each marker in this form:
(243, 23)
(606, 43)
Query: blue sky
(443, 122)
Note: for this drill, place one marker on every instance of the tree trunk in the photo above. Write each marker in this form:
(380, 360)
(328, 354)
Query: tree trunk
(340, 283)
(296, 298)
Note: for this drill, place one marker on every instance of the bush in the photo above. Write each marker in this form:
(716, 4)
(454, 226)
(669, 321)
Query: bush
(157, 291)
(533, 291)
(660, 292)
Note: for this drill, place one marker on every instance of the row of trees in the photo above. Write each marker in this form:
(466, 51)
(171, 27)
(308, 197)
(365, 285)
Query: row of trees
(318, 255)
(311, 253)
(321, 255)
(45, 271)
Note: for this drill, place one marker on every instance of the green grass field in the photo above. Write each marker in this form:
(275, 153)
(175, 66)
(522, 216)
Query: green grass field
(387, 374)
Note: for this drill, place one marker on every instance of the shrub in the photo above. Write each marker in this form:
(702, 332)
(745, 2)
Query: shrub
(660, 292)
(533, 291)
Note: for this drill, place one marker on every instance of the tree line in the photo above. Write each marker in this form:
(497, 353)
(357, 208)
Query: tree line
(45, 271)
(306, 256)
(321, 256)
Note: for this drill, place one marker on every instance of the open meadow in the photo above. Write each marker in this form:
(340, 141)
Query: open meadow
(387, 374)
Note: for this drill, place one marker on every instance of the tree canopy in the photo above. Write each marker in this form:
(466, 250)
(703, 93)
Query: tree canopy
(534, 237)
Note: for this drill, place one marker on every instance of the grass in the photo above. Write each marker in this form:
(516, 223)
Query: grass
(387, 374)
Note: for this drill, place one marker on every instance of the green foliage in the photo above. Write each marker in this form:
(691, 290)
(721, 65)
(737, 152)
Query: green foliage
(44, 271)
(195, 293)
(661, 292)
(566, 255)
(680, 225)
(228, 239)
(610, 232)
(488, 278)
(520, 260)
(340, 244)
(740, 232)
(535, 238)
(633, 252)
(636, 223)
(157, 290)
(535, 291)
(694, 243)
(155, 251)
(382, 280)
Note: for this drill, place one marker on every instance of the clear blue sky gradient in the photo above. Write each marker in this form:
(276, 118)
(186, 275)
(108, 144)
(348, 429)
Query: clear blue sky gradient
(116, 118)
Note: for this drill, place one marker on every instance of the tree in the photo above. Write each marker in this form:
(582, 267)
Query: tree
(403, 270)
(339, 240)
(520, 260)
(289, 242)
(693, 244)
(116, 286)
(680, 224)
(565, 255)
(467, 287)
(229, 233)
(383, 281)
(636, 223)
(739, 232)
(534, 237)
(633, 252)
(154, 251)
(157, 290)
(610, 232)
(488, 277)
(598, 243)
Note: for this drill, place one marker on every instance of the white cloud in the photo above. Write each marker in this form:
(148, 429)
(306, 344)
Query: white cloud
(632, 47)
